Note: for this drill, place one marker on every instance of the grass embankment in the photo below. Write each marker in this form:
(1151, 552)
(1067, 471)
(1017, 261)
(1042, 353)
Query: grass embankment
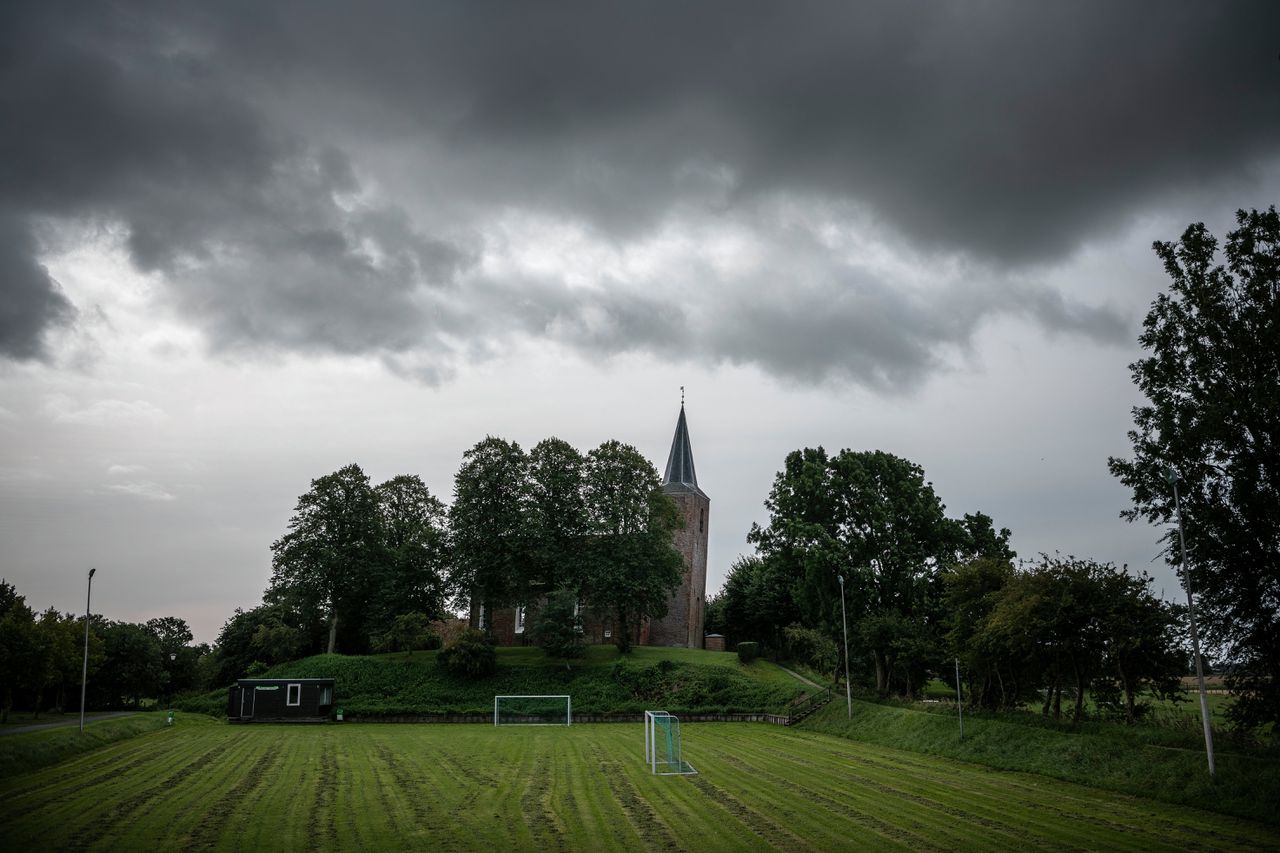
(27, 751)
(346, 787)
(1141, 760)
(678, 680)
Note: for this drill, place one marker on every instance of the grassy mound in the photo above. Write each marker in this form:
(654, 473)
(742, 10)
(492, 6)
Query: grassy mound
(1139, 760)
(688, 681)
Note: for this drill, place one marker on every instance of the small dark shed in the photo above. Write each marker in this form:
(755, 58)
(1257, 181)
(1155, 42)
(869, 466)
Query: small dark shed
(280, 700)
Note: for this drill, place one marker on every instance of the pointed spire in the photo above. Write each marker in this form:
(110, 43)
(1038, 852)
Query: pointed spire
(680, 461)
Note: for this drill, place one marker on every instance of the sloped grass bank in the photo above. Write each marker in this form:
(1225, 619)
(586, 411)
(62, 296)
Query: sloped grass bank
(678, 680)
(1115, 759)
(27, 751)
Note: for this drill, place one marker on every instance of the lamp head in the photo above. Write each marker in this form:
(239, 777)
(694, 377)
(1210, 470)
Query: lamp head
(91, 571)
(1171, 475)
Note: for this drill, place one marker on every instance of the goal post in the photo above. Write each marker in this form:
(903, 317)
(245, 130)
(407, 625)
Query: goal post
(662, 750)
(532, 711)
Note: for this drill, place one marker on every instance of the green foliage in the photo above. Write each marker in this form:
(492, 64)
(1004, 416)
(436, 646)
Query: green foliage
(602, 682)
(470, 655)
(872, 518)
(748, 651)
(1212, 383)
(269, 633)
(490, 528)
(811, 647)
(558, 630)
(412, 579)
(408, 633)
(328, 561)
(632, 565)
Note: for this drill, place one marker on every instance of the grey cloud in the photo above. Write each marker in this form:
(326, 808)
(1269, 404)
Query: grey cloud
(33, 303)
(318, 177)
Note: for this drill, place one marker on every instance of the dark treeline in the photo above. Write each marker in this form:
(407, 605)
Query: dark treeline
(923, 590)
(42, 655)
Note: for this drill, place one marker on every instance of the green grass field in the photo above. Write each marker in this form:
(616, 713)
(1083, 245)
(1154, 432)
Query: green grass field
(211, 786)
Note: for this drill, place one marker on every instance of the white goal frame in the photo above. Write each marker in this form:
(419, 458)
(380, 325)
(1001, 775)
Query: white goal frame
(651, 746)
(568, 709)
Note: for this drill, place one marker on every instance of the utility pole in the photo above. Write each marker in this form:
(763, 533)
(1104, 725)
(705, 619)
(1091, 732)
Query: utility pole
(84, 675)
(959, 699)
(1172, 477)
(844, 620)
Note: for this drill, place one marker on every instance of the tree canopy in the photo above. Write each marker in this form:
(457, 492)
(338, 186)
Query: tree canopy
(1212, 383)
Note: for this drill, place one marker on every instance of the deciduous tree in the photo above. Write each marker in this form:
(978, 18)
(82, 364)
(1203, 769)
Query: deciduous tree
(1212, 383)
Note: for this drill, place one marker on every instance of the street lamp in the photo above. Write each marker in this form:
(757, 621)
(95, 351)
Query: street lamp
(844, 620)
(1172, 477)
(84, 675)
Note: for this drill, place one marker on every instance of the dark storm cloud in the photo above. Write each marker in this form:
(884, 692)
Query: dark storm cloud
(240, 145)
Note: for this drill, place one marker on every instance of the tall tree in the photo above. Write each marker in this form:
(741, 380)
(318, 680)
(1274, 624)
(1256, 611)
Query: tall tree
(557, 515)
(413, 577)
(872, 517)
(632, 564)
(1212, 383)
(488, 518)
(329, 559)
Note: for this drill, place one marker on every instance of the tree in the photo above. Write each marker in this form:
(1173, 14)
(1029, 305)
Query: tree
(872, 517)
(1141, 649)
(328, 561)
(632, 566)
(556, 516)
(413, 577)
(18, 645)
(267, 634)
(490, 499)
(177, 656)
(408, 631)
(558, 628)
(1212, 383)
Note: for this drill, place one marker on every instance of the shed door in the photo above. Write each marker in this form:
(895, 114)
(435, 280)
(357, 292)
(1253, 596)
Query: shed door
(246, 702)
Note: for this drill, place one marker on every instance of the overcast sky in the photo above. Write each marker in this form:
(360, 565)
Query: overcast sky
(242, 245)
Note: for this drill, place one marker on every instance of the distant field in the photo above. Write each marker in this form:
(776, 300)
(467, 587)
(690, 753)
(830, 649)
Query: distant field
(211, 786)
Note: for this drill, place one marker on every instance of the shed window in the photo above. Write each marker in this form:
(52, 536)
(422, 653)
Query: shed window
(520, 619)
(295, 695)
(326, 695)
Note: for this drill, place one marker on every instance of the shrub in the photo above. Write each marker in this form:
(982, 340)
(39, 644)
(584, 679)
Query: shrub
(747, 652)
(408, 632)
(470, 655)
(811, 648)
(558, 629)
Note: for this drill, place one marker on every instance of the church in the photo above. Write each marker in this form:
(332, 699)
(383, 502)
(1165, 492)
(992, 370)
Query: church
(683, 624)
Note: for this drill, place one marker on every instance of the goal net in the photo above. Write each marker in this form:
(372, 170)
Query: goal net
(662, 745)
(532, 711)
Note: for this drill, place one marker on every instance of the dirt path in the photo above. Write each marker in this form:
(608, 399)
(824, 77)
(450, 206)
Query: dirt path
(74, 721)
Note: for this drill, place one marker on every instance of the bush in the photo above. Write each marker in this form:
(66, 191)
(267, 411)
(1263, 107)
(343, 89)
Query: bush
(811, 648)
(747, 652)
(471, 655)
(558, 629)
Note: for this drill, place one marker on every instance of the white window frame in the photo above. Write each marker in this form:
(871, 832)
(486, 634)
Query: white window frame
(289, 701)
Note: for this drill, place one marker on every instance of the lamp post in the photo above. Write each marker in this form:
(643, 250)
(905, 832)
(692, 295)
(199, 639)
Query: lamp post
(84, 675)
(844, 620)
(1172, 477)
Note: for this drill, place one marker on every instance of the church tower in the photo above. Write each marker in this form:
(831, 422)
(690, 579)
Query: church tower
(683, 624)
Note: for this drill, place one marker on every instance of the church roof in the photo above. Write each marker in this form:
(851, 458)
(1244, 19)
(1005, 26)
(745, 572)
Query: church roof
(680, 475)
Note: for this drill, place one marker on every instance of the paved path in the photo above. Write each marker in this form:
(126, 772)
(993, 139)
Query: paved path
(74, 721)
(800, 677)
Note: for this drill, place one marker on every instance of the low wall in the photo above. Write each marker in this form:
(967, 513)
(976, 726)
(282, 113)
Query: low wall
(775, 719)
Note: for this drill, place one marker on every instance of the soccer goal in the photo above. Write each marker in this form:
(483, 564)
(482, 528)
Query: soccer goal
(532, 711)
(662, 745)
